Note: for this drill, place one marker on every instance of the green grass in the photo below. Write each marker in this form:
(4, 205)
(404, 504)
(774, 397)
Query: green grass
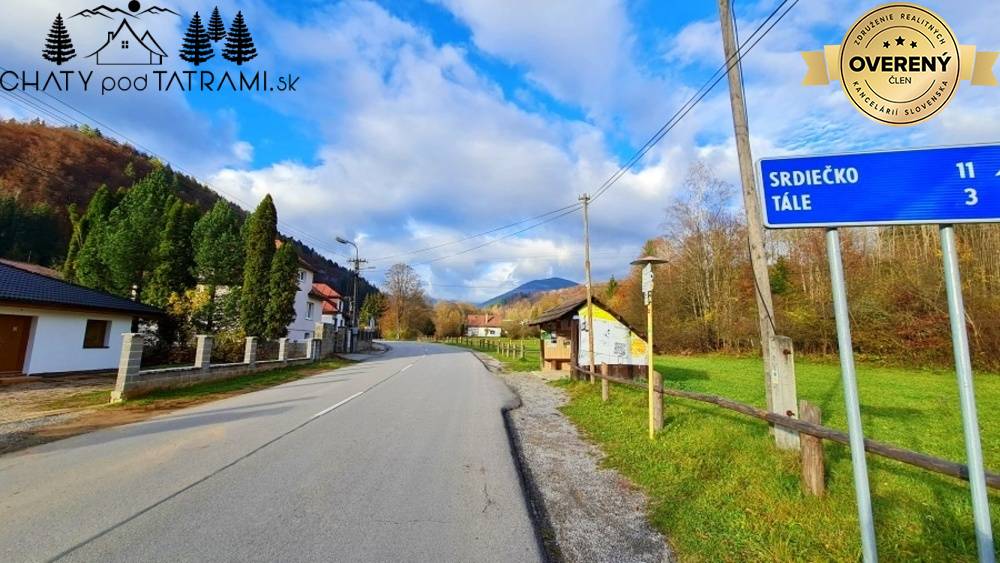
(532, 355)
(720, 491)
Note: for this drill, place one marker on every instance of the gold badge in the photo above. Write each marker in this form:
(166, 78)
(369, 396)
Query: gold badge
(900, 64)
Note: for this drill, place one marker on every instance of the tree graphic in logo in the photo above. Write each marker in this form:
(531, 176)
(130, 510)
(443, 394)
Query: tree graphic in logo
(216, 29)
(58, 45)
(197, 47)
(239, 43)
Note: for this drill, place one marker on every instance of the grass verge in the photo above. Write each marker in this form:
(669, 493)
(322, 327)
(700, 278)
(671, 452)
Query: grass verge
(530, 362)
(720, 491)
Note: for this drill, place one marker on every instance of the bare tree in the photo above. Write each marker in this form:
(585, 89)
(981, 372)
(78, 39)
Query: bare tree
(405, 293)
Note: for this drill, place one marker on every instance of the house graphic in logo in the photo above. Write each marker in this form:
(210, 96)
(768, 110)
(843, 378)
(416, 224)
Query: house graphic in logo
(125, 47)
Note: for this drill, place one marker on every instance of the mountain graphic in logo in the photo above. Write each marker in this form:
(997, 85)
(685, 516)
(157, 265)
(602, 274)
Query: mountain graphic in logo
(134, 7)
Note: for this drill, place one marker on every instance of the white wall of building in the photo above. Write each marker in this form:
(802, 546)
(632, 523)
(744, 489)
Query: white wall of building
(55, 343)
(483, 331)
(304, 326)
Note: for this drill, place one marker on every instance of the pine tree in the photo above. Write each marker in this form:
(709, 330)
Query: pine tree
(197, 47)
(134, 233)
(218, 253)
(259, 233)
(58, 45)
(281, 290)
(88, 266)
(174, 256)
(239, 43)
(216, 29)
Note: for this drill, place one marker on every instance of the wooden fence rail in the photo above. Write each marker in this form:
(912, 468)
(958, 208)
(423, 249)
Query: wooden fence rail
(909, 457)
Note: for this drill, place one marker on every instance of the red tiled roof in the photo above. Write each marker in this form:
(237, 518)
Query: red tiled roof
(485, 320)
(329, 296)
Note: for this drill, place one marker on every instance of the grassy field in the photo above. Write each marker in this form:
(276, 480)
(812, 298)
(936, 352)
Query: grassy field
(720, 491)
(530, 362)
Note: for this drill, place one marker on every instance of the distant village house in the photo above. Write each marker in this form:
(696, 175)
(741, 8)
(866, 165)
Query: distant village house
(486, 325)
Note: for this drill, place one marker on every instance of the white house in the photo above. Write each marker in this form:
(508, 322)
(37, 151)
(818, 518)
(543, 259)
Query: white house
(48, 326)
(125, 47)
(333, 304)
(308, 306)
(485, 325)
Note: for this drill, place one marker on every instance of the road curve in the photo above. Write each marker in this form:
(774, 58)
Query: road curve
(401, 458)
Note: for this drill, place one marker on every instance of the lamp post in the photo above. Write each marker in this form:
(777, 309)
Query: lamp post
(354, 297)
(653, 379)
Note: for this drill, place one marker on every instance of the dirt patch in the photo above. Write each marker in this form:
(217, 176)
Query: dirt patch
(595, 514)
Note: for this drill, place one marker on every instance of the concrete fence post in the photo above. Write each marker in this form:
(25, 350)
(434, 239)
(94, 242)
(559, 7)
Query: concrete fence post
(250, 351)
(605, 386)
(129, 364)
(783, 396)
(203, 353)
(314, 348)
(283, 349)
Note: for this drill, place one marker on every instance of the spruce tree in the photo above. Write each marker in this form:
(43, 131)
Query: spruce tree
(174, 256)
(197, 46)
(58, 45)
(259, 233)
(216, 29)
(134, 232)
(282, 287)
(218, 253)
(239, 43)
(87, 266)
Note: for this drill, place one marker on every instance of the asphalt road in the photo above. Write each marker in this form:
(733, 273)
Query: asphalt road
(400, 458)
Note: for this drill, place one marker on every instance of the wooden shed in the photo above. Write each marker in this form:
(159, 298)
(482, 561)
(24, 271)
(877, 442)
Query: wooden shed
(564, 339)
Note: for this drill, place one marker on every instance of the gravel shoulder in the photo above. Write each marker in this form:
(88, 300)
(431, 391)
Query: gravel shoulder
(593, 513)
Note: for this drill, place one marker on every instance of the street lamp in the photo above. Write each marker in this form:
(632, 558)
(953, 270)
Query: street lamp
(354, 297)
(653, 378)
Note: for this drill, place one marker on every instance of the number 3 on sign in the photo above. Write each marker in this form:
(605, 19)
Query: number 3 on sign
(972, 195)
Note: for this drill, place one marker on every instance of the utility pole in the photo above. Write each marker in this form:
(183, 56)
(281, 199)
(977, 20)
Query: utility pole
(585, 199)
(357, 262)
(755, 228)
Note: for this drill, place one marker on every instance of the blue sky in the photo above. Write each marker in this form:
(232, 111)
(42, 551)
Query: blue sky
(420, 122)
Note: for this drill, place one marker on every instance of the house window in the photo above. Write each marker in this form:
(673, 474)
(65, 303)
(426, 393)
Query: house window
(124, 44)
(96, 334)
(302, 275)
(309, 311)
(307, 336)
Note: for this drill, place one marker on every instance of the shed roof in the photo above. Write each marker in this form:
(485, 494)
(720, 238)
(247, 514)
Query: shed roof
(569, 308)
(23, 286)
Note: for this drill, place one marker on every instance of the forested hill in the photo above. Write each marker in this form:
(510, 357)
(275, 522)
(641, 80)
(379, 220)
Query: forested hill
(44, 170)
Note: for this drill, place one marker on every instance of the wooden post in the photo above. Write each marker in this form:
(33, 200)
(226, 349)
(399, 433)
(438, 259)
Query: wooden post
(522, 351)
(783, 395)
(813, 470)
(751, 205)
(605, 386)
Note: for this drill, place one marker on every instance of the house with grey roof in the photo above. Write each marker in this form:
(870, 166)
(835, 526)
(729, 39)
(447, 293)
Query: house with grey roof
(49, 326)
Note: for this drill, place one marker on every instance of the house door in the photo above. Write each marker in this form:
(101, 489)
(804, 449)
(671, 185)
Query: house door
(13, 343)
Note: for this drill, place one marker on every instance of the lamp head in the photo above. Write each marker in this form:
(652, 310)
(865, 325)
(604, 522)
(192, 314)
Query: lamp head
(649, 259)
(342, 240)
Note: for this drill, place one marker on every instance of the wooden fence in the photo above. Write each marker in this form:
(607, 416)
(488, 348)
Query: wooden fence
(814, 429)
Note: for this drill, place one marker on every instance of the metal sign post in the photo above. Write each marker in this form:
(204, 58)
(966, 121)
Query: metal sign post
(857, 437)
(880, 188)
(967, 397)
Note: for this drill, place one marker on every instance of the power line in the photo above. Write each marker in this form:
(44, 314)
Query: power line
(679, 115)
(697, 97)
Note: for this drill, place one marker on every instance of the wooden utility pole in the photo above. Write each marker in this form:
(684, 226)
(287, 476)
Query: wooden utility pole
(755, 228)
(585, 199)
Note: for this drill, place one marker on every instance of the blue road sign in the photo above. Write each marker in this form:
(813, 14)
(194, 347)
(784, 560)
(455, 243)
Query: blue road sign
(943, 185)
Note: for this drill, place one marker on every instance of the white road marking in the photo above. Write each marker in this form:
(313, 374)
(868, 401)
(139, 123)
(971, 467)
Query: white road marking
(354, 396)
(328, 409)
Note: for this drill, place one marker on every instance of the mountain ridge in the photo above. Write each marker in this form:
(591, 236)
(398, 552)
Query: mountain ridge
(529, 289)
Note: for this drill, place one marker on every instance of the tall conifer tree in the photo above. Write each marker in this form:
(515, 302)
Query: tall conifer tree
(282, 287)
(259, 234)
